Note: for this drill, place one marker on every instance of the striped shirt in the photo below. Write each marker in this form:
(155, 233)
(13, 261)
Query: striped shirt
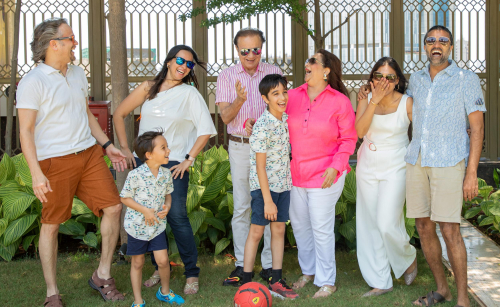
(255, 105)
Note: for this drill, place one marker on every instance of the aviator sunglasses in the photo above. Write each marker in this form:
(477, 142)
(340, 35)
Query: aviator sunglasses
(72, 38)
(246, 51)
(390, 77)
(313, 61)
(443, 40)
(181, 61)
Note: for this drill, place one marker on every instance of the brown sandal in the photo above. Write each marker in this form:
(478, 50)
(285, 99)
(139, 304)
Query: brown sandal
(106, 288)
(53, 301)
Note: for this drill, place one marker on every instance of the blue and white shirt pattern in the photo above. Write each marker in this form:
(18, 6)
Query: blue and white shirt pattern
(270, 136)
(440, 114)
(150, 192)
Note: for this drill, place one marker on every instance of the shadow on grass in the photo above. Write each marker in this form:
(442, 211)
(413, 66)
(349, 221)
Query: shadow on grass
(22, 283)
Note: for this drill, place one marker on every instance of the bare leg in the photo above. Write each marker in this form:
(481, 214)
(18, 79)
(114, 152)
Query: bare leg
(458, 259)
(48, 256)
(277, 244)
(136, 277)
(161, 258)
(110, 230)
(251, 245)
(433, 253)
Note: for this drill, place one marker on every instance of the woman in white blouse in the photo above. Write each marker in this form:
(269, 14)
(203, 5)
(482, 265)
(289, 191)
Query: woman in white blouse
(171, 103)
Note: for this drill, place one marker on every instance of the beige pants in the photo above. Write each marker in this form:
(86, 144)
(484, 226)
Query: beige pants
(435, 192)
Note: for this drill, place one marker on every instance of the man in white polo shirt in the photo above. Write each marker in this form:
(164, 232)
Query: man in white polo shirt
(58, 137)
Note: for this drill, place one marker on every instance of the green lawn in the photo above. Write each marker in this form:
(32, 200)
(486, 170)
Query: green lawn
(22, 283)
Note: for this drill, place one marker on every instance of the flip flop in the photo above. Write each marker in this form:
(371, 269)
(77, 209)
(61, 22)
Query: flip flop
(155, 279)
(410, 277)
(377, 293)
(326, 289)
(433, 298)
(192, 286)
(302, 279)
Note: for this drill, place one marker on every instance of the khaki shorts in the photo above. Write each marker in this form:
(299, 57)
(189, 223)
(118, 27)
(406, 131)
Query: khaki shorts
(85, 175)
(435, 192)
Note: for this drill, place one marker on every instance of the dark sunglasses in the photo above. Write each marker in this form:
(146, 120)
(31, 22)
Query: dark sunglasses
(390, 77)
(246, 51)
(72, 38)
(432, 40)
(313, 61)
(181, 61)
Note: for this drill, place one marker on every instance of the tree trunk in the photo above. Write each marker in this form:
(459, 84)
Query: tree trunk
(13, 75)
(119, 78)
(319, 42)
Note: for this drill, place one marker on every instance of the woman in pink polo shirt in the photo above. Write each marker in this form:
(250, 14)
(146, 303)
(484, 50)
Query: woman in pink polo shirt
(322, 135)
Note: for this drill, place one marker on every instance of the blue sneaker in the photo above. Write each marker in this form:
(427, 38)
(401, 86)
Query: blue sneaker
(139, 305)
(170, 297)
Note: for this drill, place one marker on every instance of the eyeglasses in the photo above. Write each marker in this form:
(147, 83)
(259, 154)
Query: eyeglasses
(181, 61)
(432, 40)
(72, 38)
(246, 51)
(313, 61)
(390, 77)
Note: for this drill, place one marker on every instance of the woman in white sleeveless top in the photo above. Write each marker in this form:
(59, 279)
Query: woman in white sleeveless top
(382, 120)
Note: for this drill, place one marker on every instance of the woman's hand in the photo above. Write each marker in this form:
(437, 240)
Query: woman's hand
(379, 92)
(129, 157)
(330, 175)
(180, 168)
(270, 211)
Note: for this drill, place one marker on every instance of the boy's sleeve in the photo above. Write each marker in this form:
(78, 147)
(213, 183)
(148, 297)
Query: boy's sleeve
(259, 140)
(129, 187)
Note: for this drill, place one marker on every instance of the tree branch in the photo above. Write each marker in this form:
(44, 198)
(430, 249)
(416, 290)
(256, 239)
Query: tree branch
(340, 25)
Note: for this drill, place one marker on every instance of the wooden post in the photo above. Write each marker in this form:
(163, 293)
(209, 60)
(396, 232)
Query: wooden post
(13, 75)
(300, 51)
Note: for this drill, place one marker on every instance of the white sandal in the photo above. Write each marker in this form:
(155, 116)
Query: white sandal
(155, 279)
(302, 279)
(192, 286)
(326, 289)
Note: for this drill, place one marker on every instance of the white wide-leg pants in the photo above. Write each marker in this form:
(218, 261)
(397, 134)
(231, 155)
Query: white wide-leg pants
(312, 214)
(239, 158)
(382, 240)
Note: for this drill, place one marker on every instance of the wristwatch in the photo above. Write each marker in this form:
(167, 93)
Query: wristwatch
(188, 157)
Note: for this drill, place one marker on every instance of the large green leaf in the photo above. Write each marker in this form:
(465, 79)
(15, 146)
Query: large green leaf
(7, 169)
(481, 183)
(172, 246)
(289, 235)
(79, 207)
(215, 222)
(210, 162)
(23, 169)
(348, 230)
(340, 208)
(72, 228)
(9, 187)
(223, 154)
(230, 202)
(221, 245)
(212, 235)
(349, 191)
(195, 171)
(87, 218)
(203, 228)
(8, 251)
(486, 205)
(3, 225)
(217, 183)
(495, 208)
(485, 192)
(193, 196)
(16, 204)
(16, 229)
(196, 218)
(27, 241)
(487, 221)
(90, 239)
(472, 212)
(495, 196)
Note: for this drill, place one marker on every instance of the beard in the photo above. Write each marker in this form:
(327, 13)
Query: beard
(437, 61)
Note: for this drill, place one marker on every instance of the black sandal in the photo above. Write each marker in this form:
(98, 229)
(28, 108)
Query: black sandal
(433, 298)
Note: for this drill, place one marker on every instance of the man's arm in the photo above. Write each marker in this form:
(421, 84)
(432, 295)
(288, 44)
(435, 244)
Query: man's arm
(228, 111)
(476, 146)
(27, 120)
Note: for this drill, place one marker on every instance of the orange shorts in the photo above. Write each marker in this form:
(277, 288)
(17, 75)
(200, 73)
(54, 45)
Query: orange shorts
(85, 175)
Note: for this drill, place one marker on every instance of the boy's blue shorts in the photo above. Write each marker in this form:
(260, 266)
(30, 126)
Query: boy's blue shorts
(139, 247)
(281, 200)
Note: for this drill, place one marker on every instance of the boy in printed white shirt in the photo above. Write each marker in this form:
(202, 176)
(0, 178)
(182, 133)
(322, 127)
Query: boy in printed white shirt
(270, 182)
(146, 193)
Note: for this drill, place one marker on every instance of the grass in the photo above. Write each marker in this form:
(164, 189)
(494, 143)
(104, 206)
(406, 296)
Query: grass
(22, 283)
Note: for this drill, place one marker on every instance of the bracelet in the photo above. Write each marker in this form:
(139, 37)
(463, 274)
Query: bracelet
(106, 145)
(245, 122)
(371, 101)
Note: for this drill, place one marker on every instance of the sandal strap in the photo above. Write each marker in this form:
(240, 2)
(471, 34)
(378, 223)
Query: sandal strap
(108, 288)
(53, 301)
(326, 289)
(191, 286)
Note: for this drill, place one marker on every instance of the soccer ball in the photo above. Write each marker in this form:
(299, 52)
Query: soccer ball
(253, 294)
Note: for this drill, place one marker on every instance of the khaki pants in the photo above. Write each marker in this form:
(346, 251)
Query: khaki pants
(435, 192)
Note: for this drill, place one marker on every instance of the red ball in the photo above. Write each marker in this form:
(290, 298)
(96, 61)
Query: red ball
(253, 294)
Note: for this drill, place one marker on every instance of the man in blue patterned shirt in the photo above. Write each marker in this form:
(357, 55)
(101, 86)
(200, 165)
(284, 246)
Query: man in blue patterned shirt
(441, 164)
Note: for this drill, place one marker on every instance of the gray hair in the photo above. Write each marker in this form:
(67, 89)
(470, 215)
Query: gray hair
(45, 32)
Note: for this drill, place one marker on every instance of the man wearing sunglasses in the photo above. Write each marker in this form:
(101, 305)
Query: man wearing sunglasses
(58, 137)
(240, 104)
(441, 164)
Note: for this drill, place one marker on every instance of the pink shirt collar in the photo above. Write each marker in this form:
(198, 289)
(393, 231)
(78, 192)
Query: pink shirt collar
(240, 68)
(304, 87)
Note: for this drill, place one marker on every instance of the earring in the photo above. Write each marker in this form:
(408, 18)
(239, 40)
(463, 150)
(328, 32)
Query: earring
(324, 77)
(397, 87)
